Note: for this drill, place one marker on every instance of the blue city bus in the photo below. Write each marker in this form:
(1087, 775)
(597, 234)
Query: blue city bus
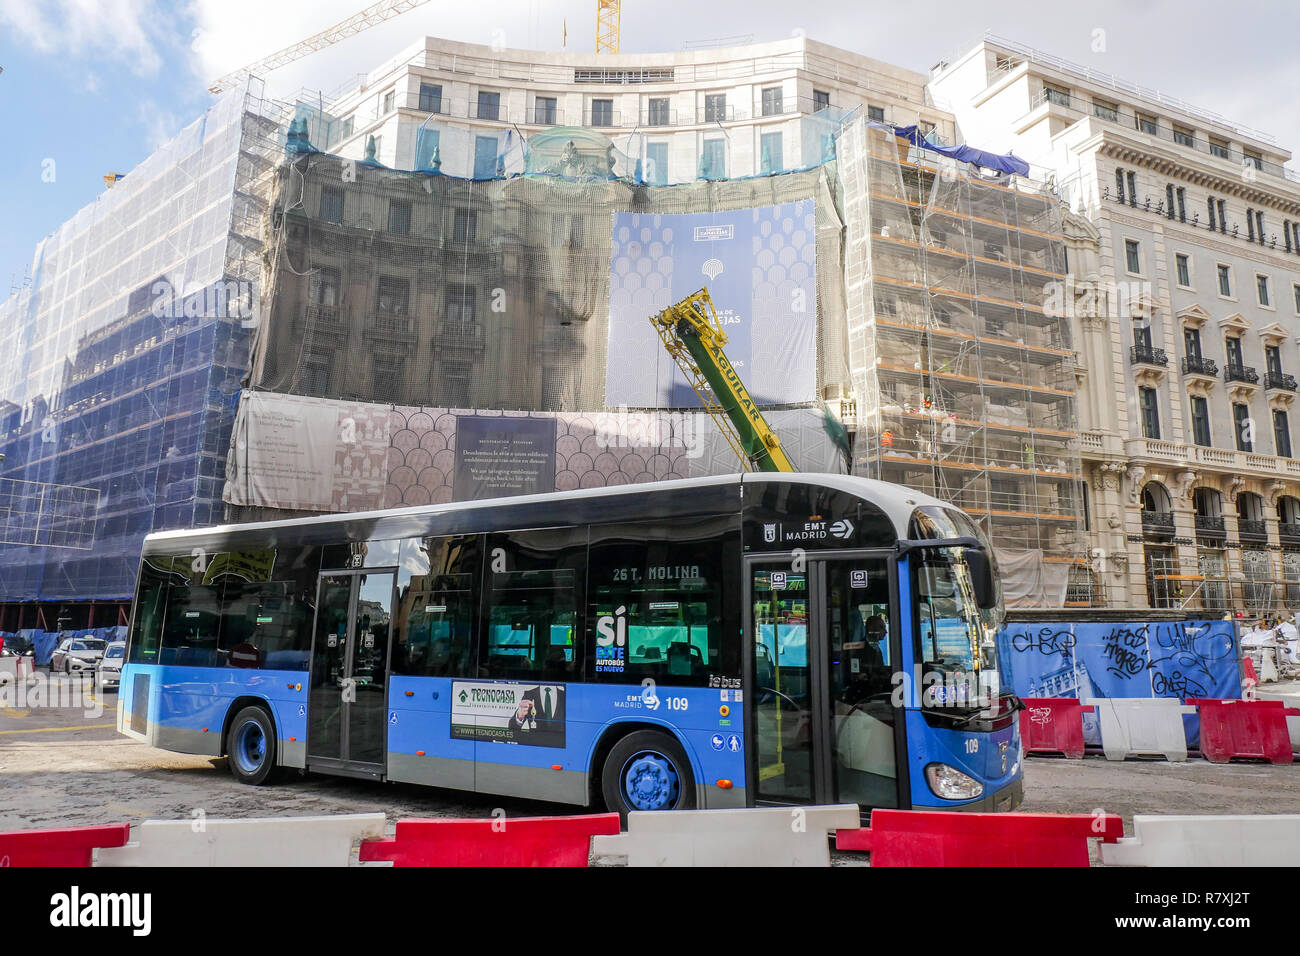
(757, 639)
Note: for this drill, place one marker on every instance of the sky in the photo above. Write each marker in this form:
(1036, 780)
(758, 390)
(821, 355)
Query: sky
(93, 86)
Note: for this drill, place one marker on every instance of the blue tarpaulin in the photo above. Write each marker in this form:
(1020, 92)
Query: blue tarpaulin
(1122, 659)
(999, 162)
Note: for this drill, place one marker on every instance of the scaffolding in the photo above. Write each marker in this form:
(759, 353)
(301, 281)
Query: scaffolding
(963, 380)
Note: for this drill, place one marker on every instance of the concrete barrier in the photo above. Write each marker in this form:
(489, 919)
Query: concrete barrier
(63, 846)
(761, 836)
(947, 838)
(496, 841)
(1142, 726)
(267, 841)
(1230, 840)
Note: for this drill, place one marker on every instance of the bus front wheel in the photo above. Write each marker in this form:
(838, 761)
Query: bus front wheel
(251, 746)
(647, 770)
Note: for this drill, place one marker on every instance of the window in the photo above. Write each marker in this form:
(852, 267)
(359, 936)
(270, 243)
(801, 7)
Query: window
(1273, 360)
(399, 217)
(1225, 281)
(657, 603)
(325, 286)
(544, 110)
(1192, 343)
(1131, 256)
(876, 114)
(1250, 225)
(1295, 292)
(438, 612)
(331, 204)
(532, 624)
(821, 100)
(464, 225)
(1184, 136)
(1147, 400)
(485, 157)
(1286, 233)
(1218, 147)
(1281, 433)
(1106, 110)
(1182, 203)
(715, 107)
(1146, 123)
(391, 299)
(1119, 185)
(1209, 208)
(1056, 95)
(713, 159)
(1142, 337)
(1169, 200)
(1132, 188)
(656, 164)
(1223, 215)
(659, 113)
(389, 97)
(771, 153)
(1233, 346)
(459, 306)
(1259, 226)
(1184, 270)
(1243, 427)
(1251, 158)
(489, 105)
(1200, 421)
(1261, 289)
(602, 112)
(772, 101)
(430, 98)
(345, 128)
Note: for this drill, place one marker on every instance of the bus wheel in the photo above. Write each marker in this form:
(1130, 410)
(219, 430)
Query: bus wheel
(251, 746)
(647, 770)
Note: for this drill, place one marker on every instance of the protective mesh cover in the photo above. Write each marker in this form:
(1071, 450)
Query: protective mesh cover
(424, 289)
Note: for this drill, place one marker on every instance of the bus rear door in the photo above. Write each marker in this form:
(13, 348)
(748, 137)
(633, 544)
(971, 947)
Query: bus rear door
(346, 710)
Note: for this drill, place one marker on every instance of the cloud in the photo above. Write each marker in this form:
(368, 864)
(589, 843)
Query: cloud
(131, 32)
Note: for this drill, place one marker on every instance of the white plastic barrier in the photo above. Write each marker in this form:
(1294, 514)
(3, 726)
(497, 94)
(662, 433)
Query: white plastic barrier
(269, 841)
(1142, 725)
(1230, 840)
(765, 836)
(1292, 723)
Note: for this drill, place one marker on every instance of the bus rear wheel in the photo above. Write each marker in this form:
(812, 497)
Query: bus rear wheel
(647, 770)
(250, 744)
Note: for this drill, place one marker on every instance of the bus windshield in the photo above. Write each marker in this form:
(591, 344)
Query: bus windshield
(956, 637)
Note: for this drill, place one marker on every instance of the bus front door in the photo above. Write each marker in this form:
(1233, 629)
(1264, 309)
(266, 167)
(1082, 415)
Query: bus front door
(821, 651)
(346, 711)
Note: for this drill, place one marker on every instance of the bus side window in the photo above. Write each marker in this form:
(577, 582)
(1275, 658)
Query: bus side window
(531, 619)
(150, 605)
(438, 587)
(655, 606)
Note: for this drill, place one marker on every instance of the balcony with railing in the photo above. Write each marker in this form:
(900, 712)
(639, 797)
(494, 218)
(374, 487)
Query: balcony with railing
(1289, 531)
(1241, 373)
(1280, 381)
(390, 330)
(1146, 355)
(1159, 523)
(1252, 529)
(460, 341)
(1195, 365)
(1210, 526)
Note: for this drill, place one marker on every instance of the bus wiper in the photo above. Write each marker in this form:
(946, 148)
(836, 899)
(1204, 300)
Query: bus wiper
(1013, 704)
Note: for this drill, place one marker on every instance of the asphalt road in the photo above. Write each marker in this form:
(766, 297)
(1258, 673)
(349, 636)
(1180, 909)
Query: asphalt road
(67, 766)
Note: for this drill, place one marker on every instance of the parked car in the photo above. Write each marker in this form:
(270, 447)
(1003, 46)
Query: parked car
(109, 671)
(15, 645)
(77, 654)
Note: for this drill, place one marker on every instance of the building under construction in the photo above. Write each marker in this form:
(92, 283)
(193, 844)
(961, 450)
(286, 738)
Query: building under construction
(963, 372)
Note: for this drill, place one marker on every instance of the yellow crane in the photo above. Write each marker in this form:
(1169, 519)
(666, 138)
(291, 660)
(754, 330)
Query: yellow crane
(694, 338)
(607, 26)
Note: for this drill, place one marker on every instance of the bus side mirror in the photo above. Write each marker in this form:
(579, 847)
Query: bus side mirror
(981, 575)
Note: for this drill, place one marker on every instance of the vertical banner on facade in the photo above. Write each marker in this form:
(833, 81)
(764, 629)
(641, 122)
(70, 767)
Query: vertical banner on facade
(759, 265)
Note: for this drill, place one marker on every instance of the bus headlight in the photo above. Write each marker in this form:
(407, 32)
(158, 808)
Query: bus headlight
(951, 784)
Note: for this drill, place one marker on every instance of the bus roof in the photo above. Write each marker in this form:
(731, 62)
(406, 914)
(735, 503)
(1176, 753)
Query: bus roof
(897, 502)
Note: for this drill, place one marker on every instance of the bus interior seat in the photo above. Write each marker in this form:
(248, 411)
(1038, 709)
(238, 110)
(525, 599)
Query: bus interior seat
(683, 659)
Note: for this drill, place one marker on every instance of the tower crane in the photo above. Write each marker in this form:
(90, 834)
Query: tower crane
(607, 26)
(372, 15)
(694, 338)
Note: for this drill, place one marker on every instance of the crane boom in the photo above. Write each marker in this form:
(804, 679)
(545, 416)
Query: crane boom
(607, 26)
(691, 334)
(362, 20)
